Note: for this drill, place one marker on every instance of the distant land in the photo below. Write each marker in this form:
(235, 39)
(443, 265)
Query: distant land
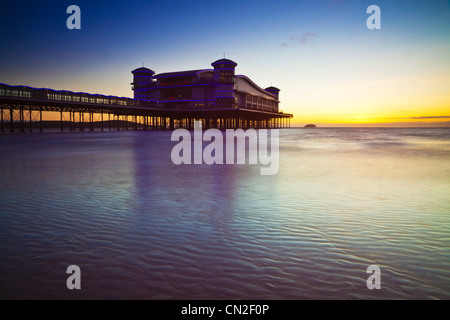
(423, 124)
(310, 126)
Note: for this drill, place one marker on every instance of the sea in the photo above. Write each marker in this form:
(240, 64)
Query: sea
(139, 226)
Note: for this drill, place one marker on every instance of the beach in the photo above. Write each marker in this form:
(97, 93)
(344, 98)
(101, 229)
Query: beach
(141, 227)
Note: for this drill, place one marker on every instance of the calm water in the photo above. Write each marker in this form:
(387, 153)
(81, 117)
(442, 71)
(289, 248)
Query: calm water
(140, 227)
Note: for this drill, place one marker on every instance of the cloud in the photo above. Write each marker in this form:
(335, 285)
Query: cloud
(431, 117)
(306, 36)
(419, 118)
(302, 39)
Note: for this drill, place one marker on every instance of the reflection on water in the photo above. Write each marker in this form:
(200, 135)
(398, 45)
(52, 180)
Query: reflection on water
(140, 227)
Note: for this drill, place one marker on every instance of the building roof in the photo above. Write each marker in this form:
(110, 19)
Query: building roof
(224, 61)
(180, 73)
(142, 69)
(177, 74)
(269, 92)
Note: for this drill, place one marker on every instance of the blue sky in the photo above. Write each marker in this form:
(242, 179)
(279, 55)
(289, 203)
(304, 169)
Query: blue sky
(321, 55)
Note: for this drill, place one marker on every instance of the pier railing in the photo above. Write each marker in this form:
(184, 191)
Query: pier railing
(45, 94)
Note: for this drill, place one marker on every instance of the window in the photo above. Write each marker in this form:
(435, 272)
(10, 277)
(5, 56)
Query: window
(177, 93)
(175, 81)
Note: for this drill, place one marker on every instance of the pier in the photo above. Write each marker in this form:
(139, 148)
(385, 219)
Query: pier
(22, 108)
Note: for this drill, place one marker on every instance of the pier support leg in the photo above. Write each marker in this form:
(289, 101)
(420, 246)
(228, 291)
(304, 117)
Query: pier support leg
(21, 120)
(11, 111)
(1, 111)
(31, 120)
(61, 121)
(40, 119)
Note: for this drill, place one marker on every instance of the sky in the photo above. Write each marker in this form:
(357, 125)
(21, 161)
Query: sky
(331, 69)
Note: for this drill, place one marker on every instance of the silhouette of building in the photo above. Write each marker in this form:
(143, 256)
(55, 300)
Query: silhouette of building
(217, 88)
(216, 97)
